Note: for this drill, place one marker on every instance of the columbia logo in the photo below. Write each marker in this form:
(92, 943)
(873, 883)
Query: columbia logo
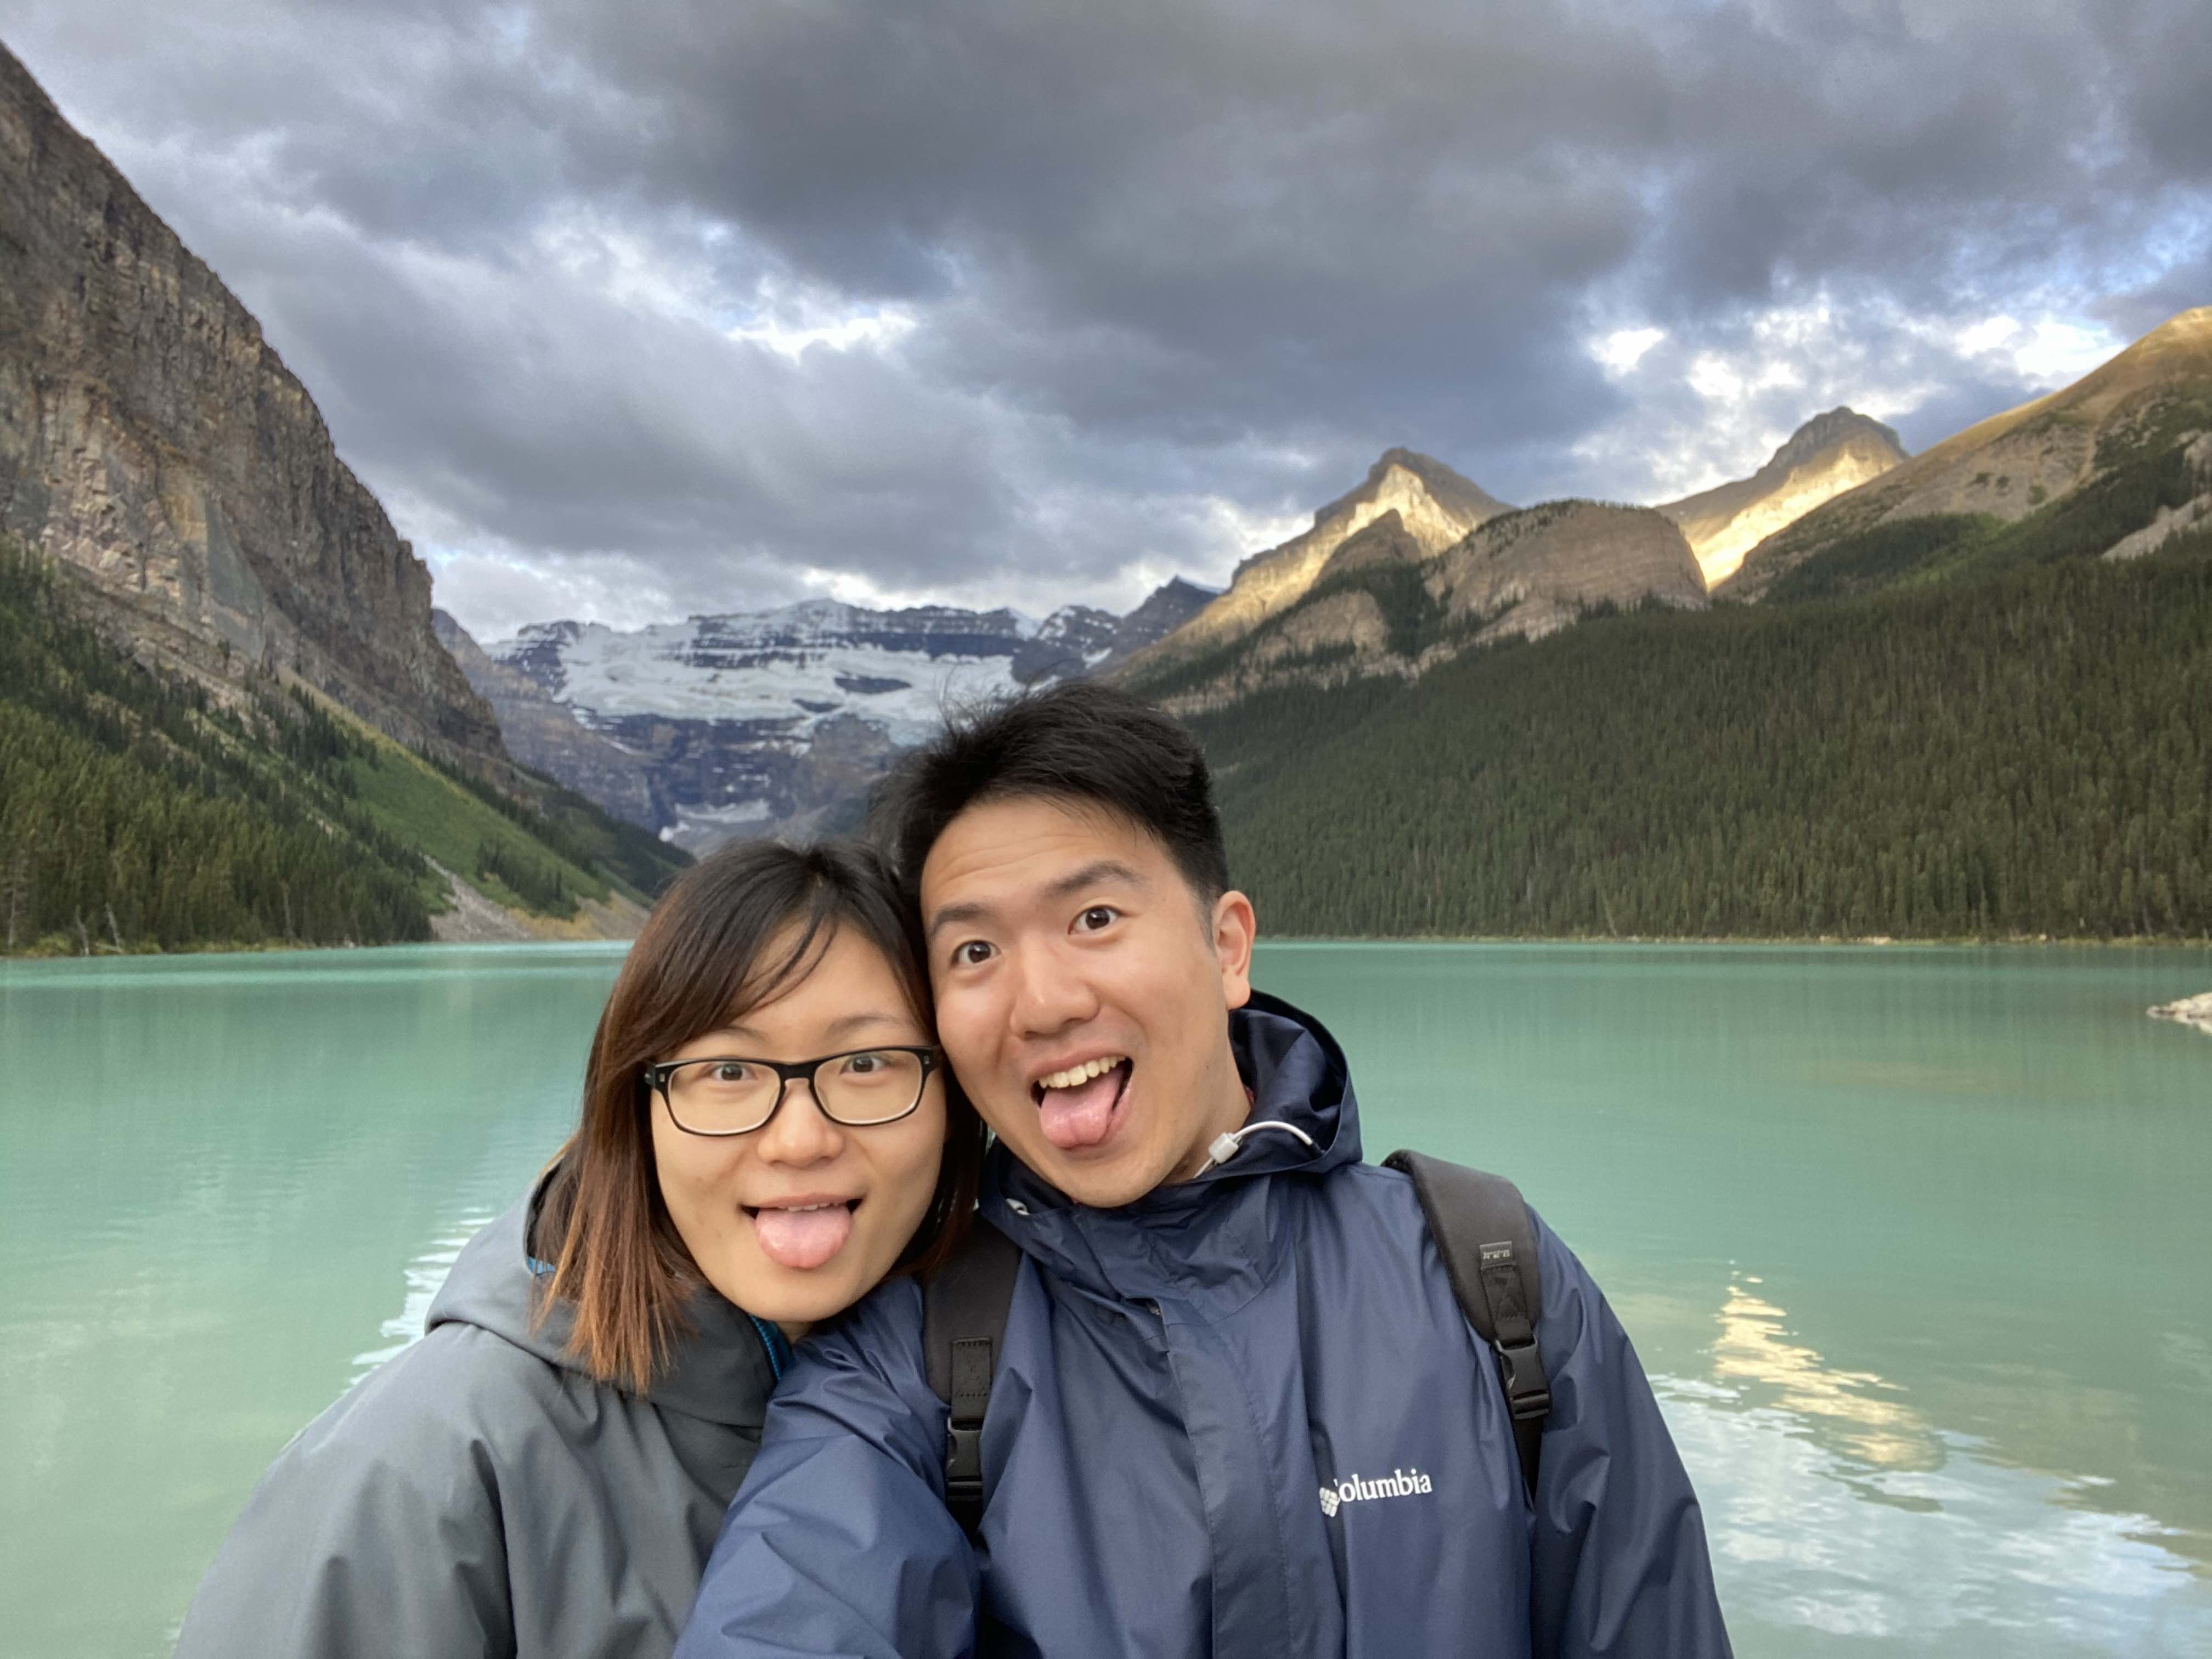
(1399, 1483)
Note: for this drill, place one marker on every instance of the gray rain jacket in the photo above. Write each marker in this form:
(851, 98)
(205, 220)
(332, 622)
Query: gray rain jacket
(477, 1495)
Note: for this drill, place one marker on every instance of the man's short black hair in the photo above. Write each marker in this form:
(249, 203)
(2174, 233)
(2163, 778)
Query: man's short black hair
(1080, 742)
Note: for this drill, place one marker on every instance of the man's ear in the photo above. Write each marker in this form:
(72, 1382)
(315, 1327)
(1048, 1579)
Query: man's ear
(1235, 929)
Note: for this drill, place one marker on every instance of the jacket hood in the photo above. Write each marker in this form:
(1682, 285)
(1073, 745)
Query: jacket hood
(1215, 1232)
(718, 1368)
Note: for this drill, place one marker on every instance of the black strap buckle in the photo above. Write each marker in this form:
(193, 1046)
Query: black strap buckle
(963, 1460)
(1527, 1391)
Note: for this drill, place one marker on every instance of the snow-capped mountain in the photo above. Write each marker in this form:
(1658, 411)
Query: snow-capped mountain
(778, 722)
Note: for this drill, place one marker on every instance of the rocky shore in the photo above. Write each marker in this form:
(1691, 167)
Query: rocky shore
(2195, 1011)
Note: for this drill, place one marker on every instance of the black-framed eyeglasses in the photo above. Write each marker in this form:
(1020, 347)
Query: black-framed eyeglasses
(735, 1095)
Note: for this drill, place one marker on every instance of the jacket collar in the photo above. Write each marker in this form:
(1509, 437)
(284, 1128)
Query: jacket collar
(1213, 1239)
(719, 1367)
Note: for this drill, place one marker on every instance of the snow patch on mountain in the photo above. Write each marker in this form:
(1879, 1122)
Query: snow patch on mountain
(796, 666)
(725, 711)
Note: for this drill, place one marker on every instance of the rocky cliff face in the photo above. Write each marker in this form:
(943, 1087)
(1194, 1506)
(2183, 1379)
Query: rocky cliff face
(1533, 573)
(1826, 456)
(775, 722)
(545, 736)
(155, 447)
(2012, 463)
(1433, 507)
(1167, 608)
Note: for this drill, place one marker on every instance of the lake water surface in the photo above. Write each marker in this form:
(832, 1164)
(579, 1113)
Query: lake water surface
(1915, 1242)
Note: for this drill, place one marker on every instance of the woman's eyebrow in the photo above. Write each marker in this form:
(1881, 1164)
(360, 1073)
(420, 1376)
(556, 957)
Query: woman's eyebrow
(844, 1025)
(847, 1024)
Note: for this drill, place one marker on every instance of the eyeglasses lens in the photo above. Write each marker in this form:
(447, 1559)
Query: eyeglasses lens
(729, 1096)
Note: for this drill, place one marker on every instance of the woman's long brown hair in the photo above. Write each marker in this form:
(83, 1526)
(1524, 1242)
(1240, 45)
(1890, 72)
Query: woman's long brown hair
(714, 947)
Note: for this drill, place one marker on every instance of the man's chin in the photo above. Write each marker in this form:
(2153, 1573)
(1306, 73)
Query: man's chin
(1101, 1177)
(1108, 1187)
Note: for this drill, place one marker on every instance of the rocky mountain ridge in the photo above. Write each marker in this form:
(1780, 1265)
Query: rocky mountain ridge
(1428, 504)
(1829, 454)
(1486, 571)
(1383, 603)
(2154, 396)
(157, 450)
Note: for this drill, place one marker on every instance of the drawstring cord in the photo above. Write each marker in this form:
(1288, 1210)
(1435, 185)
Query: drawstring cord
(1226, 1146)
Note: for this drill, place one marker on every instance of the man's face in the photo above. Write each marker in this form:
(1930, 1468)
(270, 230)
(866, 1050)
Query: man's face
(1083, 994)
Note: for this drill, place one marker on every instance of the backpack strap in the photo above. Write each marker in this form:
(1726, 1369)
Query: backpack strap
(1481, 1226)
(963, 1325)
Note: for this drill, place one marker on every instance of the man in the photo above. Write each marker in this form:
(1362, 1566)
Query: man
(1223, 1321)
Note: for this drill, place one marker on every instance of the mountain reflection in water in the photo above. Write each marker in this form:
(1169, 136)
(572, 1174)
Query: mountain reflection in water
(1837, 1514)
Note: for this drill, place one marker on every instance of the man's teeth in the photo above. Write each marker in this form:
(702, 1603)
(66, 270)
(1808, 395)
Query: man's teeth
(1083, 1073)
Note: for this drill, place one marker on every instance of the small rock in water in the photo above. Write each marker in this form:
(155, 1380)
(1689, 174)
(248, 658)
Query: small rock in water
(2189, 1010)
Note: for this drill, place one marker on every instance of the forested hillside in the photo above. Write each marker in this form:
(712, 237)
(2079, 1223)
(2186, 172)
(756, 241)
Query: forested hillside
(139, 812)
(2028, 755)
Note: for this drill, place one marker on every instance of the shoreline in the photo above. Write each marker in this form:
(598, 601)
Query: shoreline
(108, 951)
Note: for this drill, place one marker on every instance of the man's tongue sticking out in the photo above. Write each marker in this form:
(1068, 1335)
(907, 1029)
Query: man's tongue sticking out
(803, 1238)
(1080, 1116)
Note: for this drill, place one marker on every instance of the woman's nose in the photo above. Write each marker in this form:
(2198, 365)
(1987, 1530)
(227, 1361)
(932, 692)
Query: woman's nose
(798, 1133)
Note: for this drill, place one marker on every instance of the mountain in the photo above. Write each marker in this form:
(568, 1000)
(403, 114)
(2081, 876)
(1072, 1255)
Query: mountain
(1533, 573)
(1968, 703)
(1387, 601)
(153, 446)
(1826, 456)
(2069, 474)
(1167, 608)
(1434, 506)
(141, 810)
(225, 718)
(545, 736)
(776, 722)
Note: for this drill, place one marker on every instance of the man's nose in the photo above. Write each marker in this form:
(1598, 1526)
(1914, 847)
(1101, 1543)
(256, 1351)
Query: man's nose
(1050, 993)
(798, 1133)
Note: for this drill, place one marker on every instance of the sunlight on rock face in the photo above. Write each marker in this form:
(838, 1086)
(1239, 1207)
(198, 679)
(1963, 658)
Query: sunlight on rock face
(1721, 553)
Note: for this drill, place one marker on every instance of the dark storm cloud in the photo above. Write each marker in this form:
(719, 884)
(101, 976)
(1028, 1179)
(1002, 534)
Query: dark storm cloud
(1142, 278)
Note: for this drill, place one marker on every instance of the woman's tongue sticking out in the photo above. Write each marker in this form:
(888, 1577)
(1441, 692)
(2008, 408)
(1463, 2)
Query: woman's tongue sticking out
(803, 1238)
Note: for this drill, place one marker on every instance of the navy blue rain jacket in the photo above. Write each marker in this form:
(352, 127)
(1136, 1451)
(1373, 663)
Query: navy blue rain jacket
(1243, 1416)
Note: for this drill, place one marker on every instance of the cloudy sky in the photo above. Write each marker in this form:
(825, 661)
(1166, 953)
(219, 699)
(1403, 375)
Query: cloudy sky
(632, 310)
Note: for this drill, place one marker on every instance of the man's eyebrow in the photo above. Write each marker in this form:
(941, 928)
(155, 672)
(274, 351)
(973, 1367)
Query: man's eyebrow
(1094, 874)
(954, 915)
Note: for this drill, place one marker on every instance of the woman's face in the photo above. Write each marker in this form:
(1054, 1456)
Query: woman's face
(799, 1218)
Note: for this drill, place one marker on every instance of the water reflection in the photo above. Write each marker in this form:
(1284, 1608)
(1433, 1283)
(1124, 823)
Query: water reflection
(425, 1277)
(1838, 1513)
(1941, 1170)
(1856, 1412)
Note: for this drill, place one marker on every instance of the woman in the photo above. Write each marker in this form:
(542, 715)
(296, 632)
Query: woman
(767, 1133)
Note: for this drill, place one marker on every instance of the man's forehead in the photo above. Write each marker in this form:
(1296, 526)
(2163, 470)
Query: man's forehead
(1030, 843)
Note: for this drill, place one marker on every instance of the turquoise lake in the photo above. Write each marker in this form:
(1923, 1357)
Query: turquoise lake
(1917, 1244)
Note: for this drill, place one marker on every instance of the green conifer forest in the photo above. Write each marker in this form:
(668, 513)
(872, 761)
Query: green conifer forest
(135, 812)
(139, 812)
(2026, 755)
